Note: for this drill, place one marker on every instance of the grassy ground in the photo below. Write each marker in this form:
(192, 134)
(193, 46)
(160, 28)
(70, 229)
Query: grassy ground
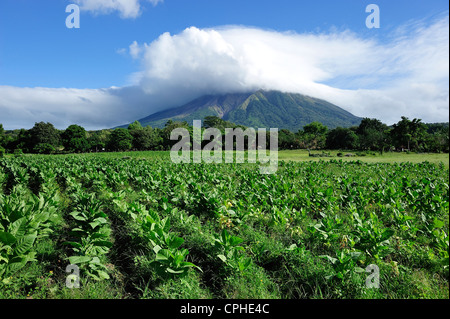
(369, 157)
(303, 155)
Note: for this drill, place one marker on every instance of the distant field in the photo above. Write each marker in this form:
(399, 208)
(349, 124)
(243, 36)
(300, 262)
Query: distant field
(302, 155)
(387, 157)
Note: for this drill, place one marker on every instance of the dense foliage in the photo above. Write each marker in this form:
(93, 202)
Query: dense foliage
(370, 135)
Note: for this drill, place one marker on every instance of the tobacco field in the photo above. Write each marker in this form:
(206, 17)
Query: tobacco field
(148, 228)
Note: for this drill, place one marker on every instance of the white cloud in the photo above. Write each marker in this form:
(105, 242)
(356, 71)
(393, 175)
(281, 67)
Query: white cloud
(135, 50)
(126, 8)
(22, 107)
(407, 75)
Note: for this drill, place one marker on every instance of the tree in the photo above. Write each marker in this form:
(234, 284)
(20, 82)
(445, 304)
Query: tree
(120, 140)
(2, 136)
(95, 144)
(212, 121)
(19, 139)
(437, 138)
(135, 126)
(44, 148)
(408, 134)
(314, 135)
(342, 138)
(136, 131)
(43, 133)
(103, 137)
(372, 135)
(287, 140)
(169, 127)
(74, 139)
(146, 139)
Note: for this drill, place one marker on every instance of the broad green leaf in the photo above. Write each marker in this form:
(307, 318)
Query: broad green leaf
(175, 242)
(163, 255)
(25, 243)
(73, 244)
(156, 249)
(234, 241)
(7, 238)
(102, 275)
(170, 270)
(18, 228)
(438, 223)
(78, 216)
(13, 267)
(41, 217)
(166, 225)
(79, 259)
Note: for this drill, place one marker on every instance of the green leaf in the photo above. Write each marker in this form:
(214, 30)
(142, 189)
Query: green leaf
(244, 265)
(163, 255)
(73, 244)
(25, 243)
(78, 216)
(41, 217)
(97, 222)
(234, 241)
(13, 267)
(225, 236)
(74, 260)
(438, 223)
(102, 274)
(175, 242)
(170, 270)
(166, 225)
(387, 233)
(7, 238)
(223, 258)
(18, 228)
(156, 249)
(153, 217)
(359, 270)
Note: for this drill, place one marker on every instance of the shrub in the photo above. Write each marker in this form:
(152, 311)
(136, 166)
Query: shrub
(44, 148)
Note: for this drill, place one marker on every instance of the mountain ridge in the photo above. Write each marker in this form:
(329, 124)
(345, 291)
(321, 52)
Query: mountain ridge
(259, 109)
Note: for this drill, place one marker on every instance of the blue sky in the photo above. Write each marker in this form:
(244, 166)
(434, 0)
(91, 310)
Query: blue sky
(38, 51)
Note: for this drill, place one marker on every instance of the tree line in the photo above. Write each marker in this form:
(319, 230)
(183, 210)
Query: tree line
(369, 135)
